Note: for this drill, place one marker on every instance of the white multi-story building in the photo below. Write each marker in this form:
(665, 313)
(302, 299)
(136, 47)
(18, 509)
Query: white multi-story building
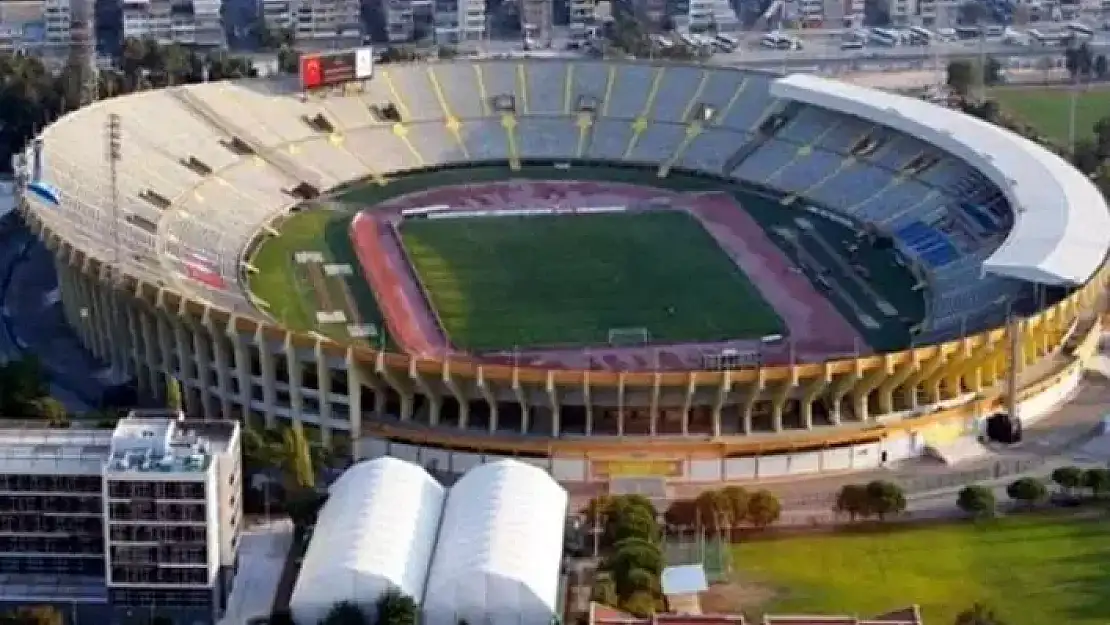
(716, 14)
(450, 22)
(458, 21)
(188, 22)
(122, 525)
(31, 25)
(583, 19)
(321, 24)
(901, 11)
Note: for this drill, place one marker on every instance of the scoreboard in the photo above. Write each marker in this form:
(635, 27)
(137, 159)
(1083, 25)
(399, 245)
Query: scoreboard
(332, 68)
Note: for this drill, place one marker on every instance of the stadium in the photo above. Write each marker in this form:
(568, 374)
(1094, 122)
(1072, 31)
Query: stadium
(603, 268)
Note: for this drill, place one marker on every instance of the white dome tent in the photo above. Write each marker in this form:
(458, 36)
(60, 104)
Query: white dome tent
(375, 533)
(499, 550)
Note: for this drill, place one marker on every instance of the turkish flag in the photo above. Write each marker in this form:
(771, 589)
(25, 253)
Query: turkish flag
(311, 72)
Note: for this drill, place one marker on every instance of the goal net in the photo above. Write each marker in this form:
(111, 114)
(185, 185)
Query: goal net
(625, 337)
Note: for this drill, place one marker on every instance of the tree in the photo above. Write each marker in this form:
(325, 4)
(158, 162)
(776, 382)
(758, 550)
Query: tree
(50, 410)
(604, 590)
(642, 556)
(763, 509)
(637, 580)
(978, 614)
(976, 501)
(161, 620)
(1101, 67)
(960, 77)
(852, 501)
(1097, 480)
(300, 472)
(681, 513)
(713, 510)
(395, 608)
(345, 613)
(173, 394)
(32, 615)
(737, 499)
(885, 498)
(1079, 61)
(641, 604)
(1068, 478)
(1028, 490)
(21, 383)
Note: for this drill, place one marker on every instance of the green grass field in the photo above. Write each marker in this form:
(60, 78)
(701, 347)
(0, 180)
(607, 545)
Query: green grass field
(292, 303)
(281, 284)
(1033, 570)
(1049, 109)
(502, 282)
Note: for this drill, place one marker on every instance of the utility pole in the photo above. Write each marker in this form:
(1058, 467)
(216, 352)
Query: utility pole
(1013, 324)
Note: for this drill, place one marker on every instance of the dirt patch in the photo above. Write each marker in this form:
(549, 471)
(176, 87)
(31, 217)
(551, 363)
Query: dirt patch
(735, 596)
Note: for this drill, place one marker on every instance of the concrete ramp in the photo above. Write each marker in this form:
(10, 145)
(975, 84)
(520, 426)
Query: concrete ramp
(960, 450)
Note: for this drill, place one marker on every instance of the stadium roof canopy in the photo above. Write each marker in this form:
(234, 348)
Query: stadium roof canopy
(376, 533)
(1062, 225)
(500, 548)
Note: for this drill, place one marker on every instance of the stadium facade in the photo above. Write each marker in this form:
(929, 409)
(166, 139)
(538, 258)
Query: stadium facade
(152, 268)
(123, 525)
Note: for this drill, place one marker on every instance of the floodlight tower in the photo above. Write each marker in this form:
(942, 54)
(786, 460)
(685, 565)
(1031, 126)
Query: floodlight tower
(114, 145)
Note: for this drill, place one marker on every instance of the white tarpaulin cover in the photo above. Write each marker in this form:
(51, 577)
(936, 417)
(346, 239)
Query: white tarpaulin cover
(1062, 226)
(375, 533)
(500, 547)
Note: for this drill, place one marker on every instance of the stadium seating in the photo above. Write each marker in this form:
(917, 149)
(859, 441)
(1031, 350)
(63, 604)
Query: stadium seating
(204, 168)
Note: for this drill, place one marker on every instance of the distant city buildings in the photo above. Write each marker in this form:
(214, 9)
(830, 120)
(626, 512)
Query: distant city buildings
(124, 525)
(188, 22)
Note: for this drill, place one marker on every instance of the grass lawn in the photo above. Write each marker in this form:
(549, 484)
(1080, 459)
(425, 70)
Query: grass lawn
(278, 281)
(1033, 570)
(1049, 109)
(501, 282)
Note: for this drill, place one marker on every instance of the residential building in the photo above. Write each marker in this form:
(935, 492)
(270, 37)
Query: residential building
(459, 21)
(188, 22)
(326, 24)
(901, 11)
(116, 527)
(32, 25)
(537, 18)
(582, 19)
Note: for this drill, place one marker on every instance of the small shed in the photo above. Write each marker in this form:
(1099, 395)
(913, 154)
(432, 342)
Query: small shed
(682, 585)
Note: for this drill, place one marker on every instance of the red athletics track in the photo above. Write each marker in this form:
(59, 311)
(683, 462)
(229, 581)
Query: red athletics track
(816, 327)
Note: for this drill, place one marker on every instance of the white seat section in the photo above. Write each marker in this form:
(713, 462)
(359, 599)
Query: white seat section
(590, 80)
(268, 120)
(680, 89)
(381, 149)
(335, 162)
(486, 139)
(461, 88)
(657, 143)
(347, 112)
(609, 139)
(436, 144)
(547, 137)
(630, 89)
(709, 150)
(547, 88)
(412, 91)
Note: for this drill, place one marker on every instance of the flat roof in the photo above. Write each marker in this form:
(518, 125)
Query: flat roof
(53, 451)
(1061, 229)
(162, 442)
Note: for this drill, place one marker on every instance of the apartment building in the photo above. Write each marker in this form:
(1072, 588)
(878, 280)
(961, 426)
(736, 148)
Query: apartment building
(31, 25)
(117, 527)
(901, 11)
(326, 24)
(458, 21)
(537, 18)
(447, 22)
(582, 19)
(188, 22)
(696, 16)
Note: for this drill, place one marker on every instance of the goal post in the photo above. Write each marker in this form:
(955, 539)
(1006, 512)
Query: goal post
(629, 337)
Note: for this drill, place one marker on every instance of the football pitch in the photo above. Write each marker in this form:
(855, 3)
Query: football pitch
(1049, 110)
(1031, 570)
(498, 283)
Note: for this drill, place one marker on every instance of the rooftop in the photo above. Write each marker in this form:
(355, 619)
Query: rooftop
(142, 441)
(163, 442)
(604, 615)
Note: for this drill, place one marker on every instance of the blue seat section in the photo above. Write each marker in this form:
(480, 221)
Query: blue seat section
(980, 215)
(930, 245)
